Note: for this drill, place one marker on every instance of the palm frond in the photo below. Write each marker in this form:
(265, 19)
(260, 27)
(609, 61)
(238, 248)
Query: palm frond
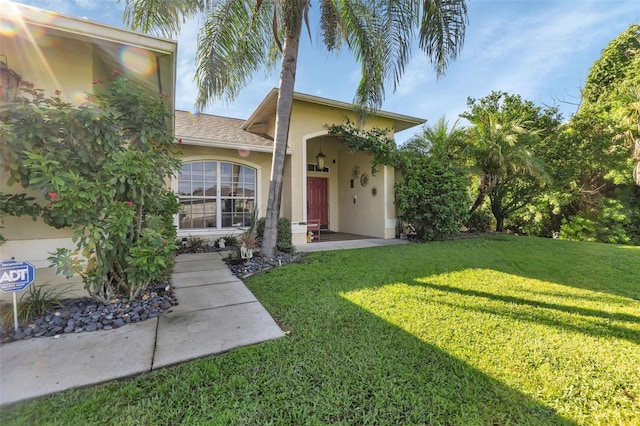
(364, 27)
(331, 26)
(161, 17)
(442, 31)
(228, 55)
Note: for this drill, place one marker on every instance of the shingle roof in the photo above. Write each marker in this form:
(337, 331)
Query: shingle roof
(216, 130)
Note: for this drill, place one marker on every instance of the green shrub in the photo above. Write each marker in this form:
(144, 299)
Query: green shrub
(195, 242)
(283, 239)
(101, 168)
(433, 198)
(260, 224)
(613, 223)
(283, 242)
(578, 228)
(629, 196)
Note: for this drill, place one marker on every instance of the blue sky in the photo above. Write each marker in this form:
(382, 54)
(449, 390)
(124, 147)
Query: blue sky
(539, 49)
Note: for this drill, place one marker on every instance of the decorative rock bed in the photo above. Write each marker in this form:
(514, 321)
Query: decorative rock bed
(248, 267)
(86, 315)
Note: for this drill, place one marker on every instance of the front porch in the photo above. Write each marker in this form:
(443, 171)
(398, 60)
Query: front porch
(331, 236)
(342, 193)
(344, 241)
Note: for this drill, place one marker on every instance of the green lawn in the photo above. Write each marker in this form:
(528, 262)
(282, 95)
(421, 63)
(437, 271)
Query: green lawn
(489, 331)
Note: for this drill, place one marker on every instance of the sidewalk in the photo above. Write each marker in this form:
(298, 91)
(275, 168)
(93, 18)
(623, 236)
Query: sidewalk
(216, 313)
(351, 244)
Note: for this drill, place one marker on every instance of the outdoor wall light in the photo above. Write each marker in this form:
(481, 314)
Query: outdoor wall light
(9, 80)
(320, 158)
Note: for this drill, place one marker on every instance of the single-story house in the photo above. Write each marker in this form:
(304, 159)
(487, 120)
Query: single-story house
(226, 161)
(227, 170)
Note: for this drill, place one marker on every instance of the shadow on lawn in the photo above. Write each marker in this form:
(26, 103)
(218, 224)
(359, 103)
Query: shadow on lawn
(346, 360)
(604, 268)
(593, 328)
(404, 380)
(377, 362)
(353, 367)
(589, 266)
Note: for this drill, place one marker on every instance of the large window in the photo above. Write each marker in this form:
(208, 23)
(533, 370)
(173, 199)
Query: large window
(215, 194)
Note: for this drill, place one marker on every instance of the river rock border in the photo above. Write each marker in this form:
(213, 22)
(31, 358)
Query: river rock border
(86, 315)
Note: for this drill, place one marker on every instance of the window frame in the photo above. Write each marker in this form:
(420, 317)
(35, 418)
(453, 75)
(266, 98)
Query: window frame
(219, 198)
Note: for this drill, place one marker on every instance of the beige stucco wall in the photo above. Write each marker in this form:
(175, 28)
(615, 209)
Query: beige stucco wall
(361, 212)
(369, 215)
(54, 65)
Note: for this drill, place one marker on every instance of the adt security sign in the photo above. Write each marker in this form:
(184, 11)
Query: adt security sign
(16, 276)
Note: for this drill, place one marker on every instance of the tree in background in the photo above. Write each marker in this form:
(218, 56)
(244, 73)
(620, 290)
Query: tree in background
(609, 100)
(626, 95)
(239, 37)
(501, 140)
(441, 142)
(599, 144)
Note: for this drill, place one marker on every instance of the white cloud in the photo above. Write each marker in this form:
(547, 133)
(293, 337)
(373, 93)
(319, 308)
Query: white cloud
(417, 75)
(92, 4)
(540, 50)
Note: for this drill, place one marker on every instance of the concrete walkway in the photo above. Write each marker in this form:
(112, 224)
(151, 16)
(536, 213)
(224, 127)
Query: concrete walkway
(216, 313)
(351, 244)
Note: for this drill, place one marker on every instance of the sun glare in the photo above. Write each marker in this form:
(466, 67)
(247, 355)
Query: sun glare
(138, 61)
(7, 29)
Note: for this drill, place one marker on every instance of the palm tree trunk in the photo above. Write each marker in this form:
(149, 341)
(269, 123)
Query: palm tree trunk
(488, 182)
(477, 203)
(283, 119)
(497, 211)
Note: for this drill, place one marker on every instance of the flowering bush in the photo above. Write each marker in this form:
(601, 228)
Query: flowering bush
(102, 169)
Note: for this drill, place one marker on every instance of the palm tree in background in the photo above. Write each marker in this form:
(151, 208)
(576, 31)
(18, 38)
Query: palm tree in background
(441, 142)
(239, 37)
(496, 148)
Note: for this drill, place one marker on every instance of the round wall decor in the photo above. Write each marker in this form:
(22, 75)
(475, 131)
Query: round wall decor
(364, 179)
(374, 191)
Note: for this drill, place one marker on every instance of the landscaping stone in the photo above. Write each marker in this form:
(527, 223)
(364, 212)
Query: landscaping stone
(258, 263)
(86, 315)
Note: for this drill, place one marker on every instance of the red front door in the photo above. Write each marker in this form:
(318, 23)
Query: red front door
(318, 200)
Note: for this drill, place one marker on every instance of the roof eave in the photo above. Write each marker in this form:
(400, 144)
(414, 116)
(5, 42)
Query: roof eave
(400, 121)
(229, 145)
(85, 29)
